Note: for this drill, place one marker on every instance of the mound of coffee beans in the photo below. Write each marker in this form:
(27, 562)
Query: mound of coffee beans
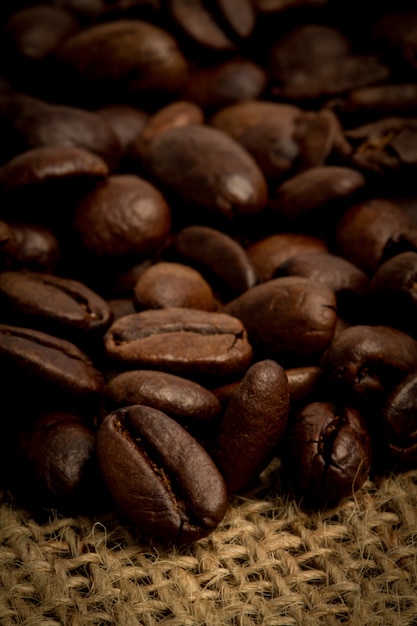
(208, 253)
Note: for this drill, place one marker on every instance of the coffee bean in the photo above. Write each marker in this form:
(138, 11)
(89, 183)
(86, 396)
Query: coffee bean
(48, 362)
(184, 400)
(180, 341)
(290, 319)
(328, 453)
(159, 476)
(253, 425)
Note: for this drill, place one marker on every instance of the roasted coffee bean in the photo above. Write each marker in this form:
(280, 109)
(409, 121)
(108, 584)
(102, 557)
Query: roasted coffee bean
(47, 363)
(368, 361)
(303, 383)
(50, 163)
(218, 256)
(253, 425)
(180, 341)
(267, 254)
(217, 174)
(66, 127)
(53, 304)
(148, 58)
(328, 453)
(187, 402)
(398, 443)
(124, 219)
(31, 247)
(174, 115)
(383, 147)
(313, 190)
(347, 281)
(290, 319)
(127, 123)
(393, 295)
(173, 284)
(159, 476)
(58, 454)
(366, 228)
(225, 83)
(266, 130)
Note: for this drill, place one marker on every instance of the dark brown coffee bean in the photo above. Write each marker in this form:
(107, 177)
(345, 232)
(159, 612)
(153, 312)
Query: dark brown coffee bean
(173, 284)
(328, 453)
(313, 190)
(399, 425)
(347, 281)
(303, 382)
(366, 228)
(382, 147)
(52, 304)
(266, 130)
(159, 476)
(199, 24)
(253, 425)
(126, 218)
(184, 400)
(290, 319)
(148, 58)
(185, 342)
(58, 454)
(31, 247)
(219, 257)
(65, 126)
(51, 163)
(47, 362)
(218, 175)
(35, 31)
(127, 123)
(269, 253)
(225, 83)
(320, 137)
(368, 361)
(382, 100)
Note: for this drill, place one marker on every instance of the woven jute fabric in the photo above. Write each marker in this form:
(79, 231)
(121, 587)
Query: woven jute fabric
(270, 563)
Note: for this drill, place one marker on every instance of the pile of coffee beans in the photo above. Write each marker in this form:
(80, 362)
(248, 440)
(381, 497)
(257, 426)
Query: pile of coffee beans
(208, 253)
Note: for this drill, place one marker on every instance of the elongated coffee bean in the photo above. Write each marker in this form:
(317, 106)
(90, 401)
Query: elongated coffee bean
(253, 425)
(159, 475)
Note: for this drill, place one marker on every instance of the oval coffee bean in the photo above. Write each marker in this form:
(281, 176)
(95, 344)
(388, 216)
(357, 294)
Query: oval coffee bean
(217, 256)
(33, 357)
(328, 453)
(253, 425)
(159, 476)
(173, 284)
(217, 174)
(368, 361)
(185, 342)
(290, 319)
(53, 304)
(184, 400)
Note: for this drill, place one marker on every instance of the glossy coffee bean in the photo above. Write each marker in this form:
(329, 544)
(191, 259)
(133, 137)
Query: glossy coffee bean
(187, 402)
(218, 175)
(50, 303)
(253, 425)
(159, 476)
(368, 361)
(124, 219)
(49, 363)
(173, 285)
(328, 453)
(290, 319)
(179, 341)
(218, 256)
(58, 454)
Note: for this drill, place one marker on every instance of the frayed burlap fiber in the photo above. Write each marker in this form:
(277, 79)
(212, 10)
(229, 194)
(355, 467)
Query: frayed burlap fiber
(270, 563)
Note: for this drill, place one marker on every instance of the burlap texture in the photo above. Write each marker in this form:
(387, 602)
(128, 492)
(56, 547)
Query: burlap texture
(269, 563)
